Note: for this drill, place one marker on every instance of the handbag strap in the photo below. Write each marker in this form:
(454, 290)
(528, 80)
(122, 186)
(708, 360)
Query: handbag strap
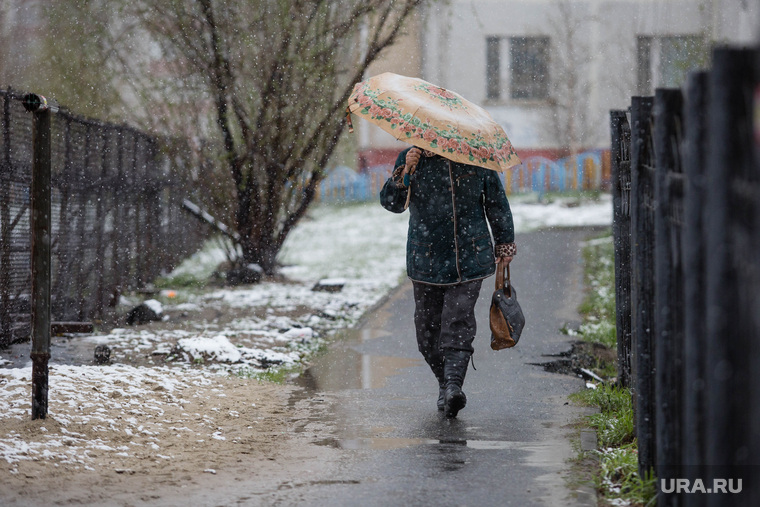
(501, 268)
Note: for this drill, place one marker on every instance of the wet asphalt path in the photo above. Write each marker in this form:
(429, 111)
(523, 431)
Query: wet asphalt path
(509, 446)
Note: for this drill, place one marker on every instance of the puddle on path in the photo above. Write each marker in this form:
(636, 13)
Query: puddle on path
(73, 350)
(384, 443)
(342, 367)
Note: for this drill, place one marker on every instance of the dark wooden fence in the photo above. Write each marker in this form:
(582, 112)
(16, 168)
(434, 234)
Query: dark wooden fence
(686, 197)
(117, 220)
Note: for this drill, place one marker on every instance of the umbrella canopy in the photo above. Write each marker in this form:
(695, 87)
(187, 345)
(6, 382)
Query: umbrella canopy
(433, 118)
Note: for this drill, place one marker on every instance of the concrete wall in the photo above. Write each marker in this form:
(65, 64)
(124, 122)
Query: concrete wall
(377, 147)
(604, 34)
(594, 45)
(20, 27)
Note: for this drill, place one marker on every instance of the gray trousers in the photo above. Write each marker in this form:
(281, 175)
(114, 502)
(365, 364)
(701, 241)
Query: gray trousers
(444, 318)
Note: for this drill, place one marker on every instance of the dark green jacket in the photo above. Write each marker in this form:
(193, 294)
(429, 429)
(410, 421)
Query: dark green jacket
(451, 206)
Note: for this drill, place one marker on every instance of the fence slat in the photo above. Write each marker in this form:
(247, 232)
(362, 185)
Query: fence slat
(621, 195)
(732, 278)
(5, 229)
(668, 296)
(694, 259)
(642, 301)
(754, 353)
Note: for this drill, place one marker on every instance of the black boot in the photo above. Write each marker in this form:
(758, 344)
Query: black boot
(455, 369)
(435, 359)
(436, 365)
(441, 385)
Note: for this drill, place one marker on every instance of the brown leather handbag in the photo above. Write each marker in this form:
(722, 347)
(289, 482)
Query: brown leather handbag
(506, 317)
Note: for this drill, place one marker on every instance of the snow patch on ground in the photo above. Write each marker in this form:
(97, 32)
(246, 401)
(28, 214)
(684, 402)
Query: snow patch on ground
(155, 306)
(562, 213)
(119, 398)
(217, 348)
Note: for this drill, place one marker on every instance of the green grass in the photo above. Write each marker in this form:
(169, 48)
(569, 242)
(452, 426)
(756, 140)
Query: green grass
(185, 280)
(598, 308)
(277, 375)
(606, 369)
(280, 374)
(619, 476)
(614, 422)
(618, 454)
(618, 471)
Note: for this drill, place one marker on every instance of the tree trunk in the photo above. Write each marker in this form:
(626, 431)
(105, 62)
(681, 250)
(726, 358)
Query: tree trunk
(257, 221)
(261, 250)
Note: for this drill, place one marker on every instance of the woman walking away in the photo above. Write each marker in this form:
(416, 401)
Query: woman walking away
(449, 252)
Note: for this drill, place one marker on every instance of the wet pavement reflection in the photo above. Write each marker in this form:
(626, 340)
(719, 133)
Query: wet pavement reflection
(397, 443)
(509, 446)
(75, 350)
(345, 368)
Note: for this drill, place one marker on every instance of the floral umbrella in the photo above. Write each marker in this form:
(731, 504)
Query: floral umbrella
(433, 118)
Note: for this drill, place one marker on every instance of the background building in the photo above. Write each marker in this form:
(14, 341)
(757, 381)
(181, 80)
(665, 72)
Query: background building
(20, 27)
(550, 70)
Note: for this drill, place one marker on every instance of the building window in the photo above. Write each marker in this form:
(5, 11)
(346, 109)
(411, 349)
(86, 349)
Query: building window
(644, 65)
(665, 61)
(679, 56)
(493, 68)
(529, 68)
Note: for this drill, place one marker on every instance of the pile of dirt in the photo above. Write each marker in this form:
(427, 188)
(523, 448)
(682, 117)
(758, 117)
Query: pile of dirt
(581, 356)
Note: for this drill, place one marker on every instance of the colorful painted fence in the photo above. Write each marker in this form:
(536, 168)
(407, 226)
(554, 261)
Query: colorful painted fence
(585, 171)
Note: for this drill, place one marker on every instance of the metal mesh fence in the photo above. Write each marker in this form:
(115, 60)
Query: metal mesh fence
(116, 216)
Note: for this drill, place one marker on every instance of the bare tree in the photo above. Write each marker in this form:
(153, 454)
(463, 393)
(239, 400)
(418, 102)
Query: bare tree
(571, 59)
(69, 54)
(257, 87)
(273, 76)
(5, 38)
(17, 34)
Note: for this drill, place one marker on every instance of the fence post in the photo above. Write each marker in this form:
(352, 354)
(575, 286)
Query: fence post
(642, 300)
(5, 229)
(621, 229)
(755, 352)
(694, 263)
(41, 240)
(668, 294)
(732, 277)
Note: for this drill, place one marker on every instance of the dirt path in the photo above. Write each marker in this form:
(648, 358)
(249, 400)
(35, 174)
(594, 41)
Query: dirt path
(141, 442)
